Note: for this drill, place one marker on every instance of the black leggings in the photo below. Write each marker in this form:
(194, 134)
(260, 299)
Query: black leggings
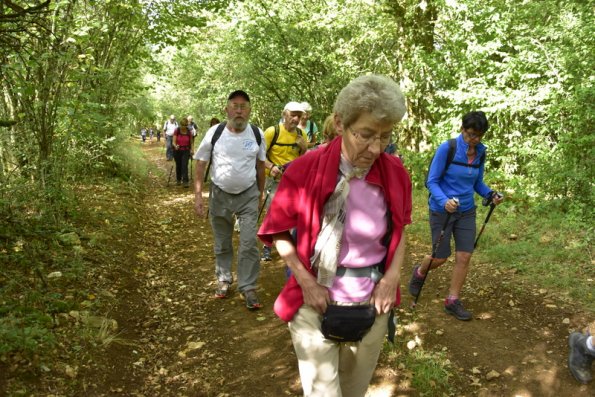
(182, 157)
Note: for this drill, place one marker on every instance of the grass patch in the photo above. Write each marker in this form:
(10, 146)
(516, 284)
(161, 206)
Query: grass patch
(430, 373)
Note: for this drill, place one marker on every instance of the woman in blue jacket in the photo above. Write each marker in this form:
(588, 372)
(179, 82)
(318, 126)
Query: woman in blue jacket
(452, 185)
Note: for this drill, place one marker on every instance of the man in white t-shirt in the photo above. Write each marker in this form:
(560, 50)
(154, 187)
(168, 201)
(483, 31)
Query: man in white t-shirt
(169, 128)
(237, 184)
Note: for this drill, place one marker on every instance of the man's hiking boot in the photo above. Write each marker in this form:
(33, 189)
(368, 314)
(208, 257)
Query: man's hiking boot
(456, 309)
(415, 283)
(580, 359)
(186, 184)
(252, 302)
(222, 289)
(266, 254)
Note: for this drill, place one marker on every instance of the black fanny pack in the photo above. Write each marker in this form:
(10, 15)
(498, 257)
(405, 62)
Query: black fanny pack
(347, 323)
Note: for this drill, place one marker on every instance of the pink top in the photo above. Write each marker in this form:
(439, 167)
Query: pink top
(361, 244)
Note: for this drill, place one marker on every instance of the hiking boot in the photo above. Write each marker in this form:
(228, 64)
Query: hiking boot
(456, 309)
(222, 289)
(178, 183)
(579, 359)
(266, 254)
(252, 302)
(415, 283)
(186, 184)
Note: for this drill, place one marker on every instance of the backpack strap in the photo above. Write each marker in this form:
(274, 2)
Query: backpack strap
(256, 134)
(214, 139)
(311, 132)
(453, 147)
(273, 141)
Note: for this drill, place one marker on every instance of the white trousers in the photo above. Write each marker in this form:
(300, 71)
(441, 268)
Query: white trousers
(332, 369)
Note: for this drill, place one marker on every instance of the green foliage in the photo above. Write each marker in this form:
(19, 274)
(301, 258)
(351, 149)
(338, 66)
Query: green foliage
(29, 335)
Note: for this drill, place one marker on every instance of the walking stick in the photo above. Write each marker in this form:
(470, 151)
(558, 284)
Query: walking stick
(170, 171)
(191, 176)
(434, 251)
(489, 202)
(264, 203)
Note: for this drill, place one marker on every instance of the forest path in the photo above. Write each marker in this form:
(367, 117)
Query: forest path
(178, 340)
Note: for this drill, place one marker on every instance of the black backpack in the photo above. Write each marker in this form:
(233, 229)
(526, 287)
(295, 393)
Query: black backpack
(452, 149)
(216, 137)
(276, 137)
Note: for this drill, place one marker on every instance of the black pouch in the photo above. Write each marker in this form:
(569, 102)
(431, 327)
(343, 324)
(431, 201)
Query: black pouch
(347, 323)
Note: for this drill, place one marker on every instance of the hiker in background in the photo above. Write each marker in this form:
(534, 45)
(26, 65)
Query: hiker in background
(182, 144)
(192, 127)
(349, 203)
(143, 134)
(214, 121)
(328, 129)
(237, 154)
(582, 354)
(308, 126)
(452, 187)
(169, 128)
(151, 133)
(158, 134)
(284, 142)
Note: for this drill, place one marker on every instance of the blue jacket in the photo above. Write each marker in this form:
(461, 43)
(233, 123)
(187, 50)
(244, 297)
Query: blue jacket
(459, 181)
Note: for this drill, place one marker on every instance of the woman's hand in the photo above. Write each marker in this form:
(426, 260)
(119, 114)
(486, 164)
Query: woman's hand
(497, 198)
(384, 295)
(451, 205)
(315, 295)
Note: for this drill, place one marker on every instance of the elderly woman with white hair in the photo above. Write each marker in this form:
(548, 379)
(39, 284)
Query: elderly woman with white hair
(349, 203)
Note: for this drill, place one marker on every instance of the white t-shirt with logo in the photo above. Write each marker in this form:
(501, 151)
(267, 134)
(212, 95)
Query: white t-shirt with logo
(234, 158)
(170, 127)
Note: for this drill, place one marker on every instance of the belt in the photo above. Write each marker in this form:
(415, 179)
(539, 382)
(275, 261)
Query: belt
(368, 271)
(234, 194)
(363, 303)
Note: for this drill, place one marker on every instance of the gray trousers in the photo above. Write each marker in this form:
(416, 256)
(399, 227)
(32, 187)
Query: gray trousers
(169, 147)
(222, 207)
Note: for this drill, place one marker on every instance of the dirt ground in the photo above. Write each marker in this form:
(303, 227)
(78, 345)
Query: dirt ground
(175, 339)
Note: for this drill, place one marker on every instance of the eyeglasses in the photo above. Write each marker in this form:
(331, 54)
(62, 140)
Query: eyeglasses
(369, 140)
(239, 106)
(473, 135)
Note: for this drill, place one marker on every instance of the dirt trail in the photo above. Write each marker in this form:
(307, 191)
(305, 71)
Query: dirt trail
(177, 340)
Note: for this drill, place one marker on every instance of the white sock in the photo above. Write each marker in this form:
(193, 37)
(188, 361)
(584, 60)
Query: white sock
(590, 346)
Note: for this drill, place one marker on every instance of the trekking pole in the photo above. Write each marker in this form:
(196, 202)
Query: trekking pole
(169, 177)
(264, 203)
(434, 252)
(490, 202)
(191, 177)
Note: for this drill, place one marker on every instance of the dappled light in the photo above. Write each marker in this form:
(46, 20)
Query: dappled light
(107, 275)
